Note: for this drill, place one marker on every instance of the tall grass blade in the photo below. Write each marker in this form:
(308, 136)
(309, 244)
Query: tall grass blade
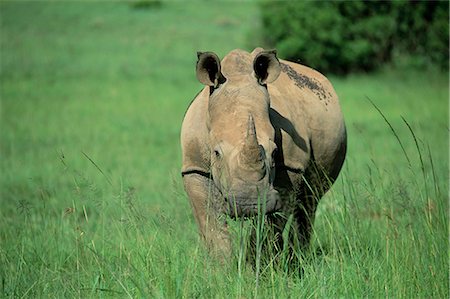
(392, 129)
(29, 289)
(259, 232)
(98, 168)
(241, 251)
(422, 166)
(435, 182)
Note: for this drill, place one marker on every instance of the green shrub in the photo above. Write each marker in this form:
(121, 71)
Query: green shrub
(145, 4)
(356, 35)
(422, 31)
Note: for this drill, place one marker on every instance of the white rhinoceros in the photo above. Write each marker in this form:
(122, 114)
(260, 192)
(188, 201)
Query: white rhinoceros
(263, 134)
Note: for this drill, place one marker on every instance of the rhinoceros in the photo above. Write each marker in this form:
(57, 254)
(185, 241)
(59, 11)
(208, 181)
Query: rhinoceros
(264, 134)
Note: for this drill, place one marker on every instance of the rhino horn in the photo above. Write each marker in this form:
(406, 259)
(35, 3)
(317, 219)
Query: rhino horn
(251, 149)
(251, 131)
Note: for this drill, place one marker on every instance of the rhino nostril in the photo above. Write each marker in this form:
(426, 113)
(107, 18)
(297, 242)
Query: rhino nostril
(217, 152)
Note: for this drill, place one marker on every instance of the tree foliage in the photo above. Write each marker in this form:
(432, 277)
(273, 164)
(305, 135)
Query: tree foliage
(345, 36)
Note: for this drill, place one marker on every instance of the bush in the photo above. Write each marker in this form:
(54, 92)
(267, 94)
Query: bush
(346, 36)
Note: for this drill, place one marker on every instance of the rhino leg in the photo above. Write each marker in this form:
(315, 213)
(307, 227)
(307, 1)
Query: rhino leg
(300, 203)
(212, 229)
(292, 228)
(304, 218)
(287, 232)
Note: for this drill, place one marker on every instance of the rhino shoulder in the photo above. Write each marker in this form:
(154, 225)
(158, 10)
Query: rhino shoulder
(310, 80)
(315, 112)
(195, 151)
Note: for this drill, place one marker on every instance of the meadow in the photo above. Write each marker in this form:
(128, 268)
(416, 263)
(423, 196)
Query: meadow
(92, 204)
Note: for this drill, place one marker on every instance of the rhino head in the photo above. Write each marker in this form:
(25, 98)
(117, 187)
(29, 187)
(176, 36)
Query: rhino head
(240, 133)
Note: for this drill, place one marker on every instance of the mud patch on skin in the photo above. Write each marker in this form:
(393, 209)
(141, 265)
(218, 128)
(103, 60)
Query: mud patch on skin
(302, 81)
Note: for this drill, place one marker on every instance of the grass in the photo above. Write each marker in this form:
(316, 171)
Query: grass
(92, 99)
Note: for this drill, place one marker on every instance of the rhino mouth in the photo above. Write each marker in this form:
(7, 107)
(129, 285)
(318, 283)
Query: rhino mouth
(246, 206)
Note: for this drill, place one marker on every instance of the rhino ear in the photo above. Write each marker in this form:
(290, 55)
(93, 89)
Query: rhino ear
(208, 69)
(266, 66)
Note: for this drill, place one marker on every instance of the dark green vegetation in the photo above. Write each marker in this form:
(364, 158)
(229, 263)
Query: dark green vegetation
(344, 36)
(92, 98)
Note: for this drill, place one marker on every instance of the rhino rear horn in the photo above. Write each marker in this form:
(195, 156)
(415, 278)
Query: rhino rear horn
(266, 67)
(208, 69)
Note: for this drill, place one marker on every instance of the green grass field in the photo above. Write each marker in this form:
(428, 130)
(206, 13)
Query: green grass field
(92, 205)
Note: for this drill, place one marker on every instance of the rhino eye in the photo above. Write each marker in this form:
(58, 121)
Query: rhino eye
(274, 153)
(217, 153)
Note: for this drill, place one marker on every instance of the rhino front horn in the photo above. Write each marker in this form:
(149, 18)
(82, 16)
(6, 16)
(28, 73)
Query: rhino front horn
(251, 140)
(251, 151)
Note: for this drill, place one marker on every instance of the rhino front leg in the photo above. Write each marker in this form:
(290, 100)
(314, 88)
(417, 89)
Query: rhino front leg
(203, 196)
(304, 219)
(293, 224)
(292, 228)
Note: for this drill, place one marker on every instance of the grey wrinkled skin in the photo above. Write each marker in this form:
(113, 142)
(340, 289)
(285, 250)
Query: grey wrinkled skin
(264, 135)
